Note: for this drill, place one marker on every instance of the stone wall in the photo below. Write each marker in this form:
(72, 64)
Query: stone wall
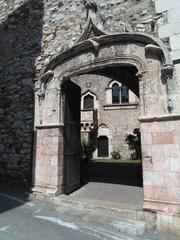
(32, 33)
(20, 44)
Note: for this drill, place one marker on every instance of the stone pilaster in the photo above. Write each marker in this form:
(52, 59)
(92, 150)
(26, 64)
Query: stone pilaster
(161, 163)
(48, 164)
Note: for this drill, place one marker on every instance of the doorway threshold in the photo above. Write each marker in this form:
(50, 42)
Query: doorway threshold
(117, 193)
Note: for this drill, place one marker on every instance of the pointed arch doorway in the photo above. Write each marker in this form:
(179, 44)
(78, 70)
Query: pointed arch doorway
(97, 50)
(103, 146)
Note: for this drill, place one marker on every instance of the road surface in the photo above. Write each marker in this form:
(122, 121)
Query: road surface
(21, 219)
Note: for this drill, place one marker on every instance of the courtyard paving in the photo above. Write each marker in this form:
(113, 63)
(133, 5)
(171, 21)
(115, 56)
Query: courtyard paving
(104, 191)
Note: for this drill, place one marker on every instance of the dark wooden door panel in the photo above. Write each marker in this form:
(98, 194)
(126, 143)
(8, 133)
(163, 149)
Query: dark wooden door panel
(103, 146)
(71, 94)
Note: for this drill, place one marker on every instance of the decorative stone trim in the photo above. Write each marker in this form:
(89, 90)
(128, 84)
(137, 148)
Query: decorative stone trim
(109, 39)
(164, 202)
(56, 125)
(48, 76)
(120, 106)
(167, 72)
(160, 118)
(153, 48)
(167, 78)
(109, 61)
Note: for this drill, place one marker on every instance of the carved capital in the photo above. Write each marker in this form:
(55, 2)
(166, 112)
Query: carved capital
(139, 75)
(40, 86)
(95, 45)
(47, 76)
(167, 72)
(152, 48)
(41, 93)
(37, 85)
(167, 76)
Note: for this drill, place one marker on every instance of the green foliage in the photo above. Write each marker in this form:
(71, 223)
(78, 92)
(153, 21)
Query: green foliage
(134, 143)
(87, 146)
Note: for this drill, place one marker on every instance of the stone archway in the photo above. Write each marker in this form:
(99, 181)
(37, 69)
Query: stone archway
(159, 126)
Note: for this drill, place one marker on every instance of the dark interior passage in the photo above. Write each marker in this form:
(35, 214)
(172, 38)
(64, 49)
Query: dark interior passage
(80, 165)
(112, 172)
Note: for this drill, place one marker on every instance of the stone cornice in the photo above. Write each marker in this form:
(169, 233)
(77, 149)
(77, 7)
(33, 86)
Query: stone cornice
(170, 117)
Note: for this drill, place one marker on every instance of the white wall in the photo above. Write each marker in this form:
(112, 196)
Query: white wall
(169, 28)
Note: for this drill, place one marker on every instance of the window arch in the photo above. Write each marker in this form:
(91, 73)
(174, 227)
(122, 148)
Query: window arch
(124, 94)
(115, 93)
(118, 93)
(88, 102)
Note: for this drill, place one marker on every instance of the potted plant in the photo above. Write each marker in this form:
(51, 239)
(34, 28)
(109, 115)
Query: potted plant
(116, 154)
(87, 148)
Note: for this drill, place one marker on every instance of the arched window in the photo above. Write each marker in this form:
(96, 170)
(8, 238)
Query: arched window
(115, 93)
(124, 94)
(88, 102)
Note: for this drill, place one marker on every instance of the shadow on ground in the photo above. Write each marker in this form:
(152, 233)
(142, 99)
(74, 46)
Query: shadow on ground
(13, 197)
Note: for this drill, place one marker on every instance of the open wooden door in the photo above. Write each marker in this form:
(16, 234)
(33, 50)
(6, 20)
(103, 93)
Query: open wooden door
(72, 96)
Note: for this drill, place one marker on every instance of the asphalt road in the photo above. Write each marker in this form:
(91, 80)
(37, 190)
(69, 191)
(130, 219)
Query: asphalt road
(24, 220)
(21, 219)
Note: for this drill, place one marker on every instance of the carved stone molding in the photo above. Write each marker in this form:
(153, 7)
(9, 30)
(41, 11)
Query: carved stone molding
(160, 118)
(153, 48)
(76, 69)
(41, 85)
(167, 78)
(167, 72)
(96, 46)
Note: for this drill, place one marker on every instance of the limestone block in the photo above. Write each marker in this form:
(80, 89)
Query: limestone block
(169, 224)
(161, 195)
(168, 29)
(175, 41)
(160, 161)
(54, 160)
(174, 13)
(162, 138)
(175, 164)
(172, 179)
(162, 5)
(151, 178)
(175, 54)
(146, 138)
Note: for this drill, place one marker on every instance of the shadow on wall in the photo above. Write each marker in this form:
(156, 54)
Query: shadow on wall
(20, 45)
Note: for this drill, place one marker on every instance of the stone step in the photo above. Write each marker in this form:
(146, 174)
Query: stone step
(116, 217)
